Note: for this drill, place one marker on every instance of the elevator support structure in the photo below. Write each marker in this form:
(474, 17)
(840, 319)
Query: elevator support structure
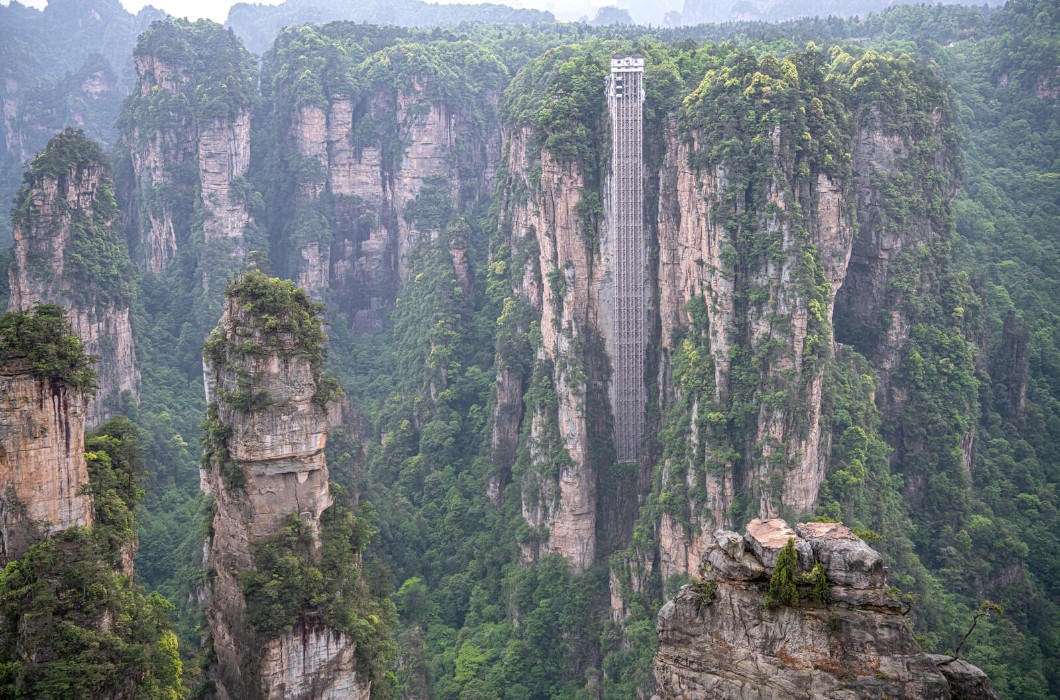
(625, 103)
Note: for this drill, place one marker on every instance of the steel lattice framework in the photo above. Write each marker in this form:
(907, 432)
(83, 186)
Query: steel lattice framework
(625, 101)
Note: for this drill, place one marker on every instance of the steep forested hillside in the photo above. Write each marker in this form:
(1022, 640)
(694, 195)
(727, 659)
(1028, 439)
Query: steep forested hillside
(852, 227)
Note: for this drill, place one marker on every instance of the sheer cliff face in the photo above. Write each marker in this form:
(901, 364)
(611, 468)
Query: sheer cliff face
(42, 458)
(266, 464)
(560, 281)
(68, 252)
(159, 158)
(774, 199)
(181, 140)
(373, 193)
(869, 306)
(380, 156)
(719, 638)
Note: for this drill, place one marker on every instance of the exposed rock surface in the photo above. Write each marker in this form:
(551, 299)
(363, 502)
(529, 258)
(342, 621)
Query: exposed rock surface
(718, 639)
(42, 458)
(561, 283)
(180, 144)
(967, 682)
(364, 192)
(268, 465)
(67, 212)
(159, 158)
(312, 663)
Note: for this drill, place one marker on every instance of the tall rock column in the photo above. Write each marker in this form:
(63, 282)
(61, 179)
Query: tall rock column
(560, 283)
(68, 252)
(185, 149)
(42, 431)
(265, 469)
(158, 158)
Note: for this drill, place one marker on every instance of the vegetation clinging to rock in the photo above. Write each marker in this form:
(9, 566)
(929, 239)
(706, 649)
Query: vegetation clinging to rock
(44, 337)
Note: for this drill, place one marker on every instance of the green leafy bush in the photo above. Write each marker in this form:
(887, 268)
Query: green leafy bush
(44, 337)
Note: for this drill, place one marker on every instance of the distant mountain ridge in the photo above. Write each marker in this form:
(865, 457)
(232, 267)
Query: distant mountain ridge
(258, 25)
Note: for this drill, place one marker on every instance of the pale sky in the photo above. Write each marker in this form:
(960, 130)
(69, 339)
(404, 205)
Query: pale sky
(217, 10)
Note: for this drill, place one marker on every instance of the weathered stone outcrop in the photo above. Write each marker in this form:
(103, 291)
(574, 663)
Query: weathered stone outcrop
(562, 284)
(718, 639)
(224, 157)
(266, 464)
(159, 157)
(182, 142)
(696, 245)
(42, 458)
(312, 662)
(68, 252)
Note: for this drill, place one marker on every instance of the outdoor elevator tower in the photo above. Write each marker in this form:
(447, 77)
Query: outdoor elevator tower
(625, 104)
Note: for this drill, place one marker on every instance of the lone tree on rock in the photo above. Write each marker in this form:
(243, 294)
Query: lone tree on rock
(783, 589)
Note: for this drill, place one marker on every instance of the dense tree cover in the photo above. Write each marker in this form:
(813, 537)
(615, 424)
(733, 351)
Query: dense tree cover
(258, 25)
(74, 625)
(291, 584)
(45, 338)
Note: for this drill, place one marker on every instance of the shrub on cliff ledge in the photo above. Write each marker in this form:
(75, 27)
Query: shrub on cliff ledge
(291, 584)
(45, 337)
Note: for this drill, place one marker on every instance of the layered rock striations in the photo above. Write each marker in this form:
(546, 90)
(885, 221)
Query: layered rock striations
(42, 436)
(185, 149)
(68, 252)
(560, 282)
(769, 179)
(378, 156)
(721, 637)
(756, 240)
(266, 472)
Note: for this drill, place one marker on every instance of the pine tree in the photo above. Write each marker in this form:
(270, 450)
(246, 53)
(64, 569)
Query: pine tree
(782, 587)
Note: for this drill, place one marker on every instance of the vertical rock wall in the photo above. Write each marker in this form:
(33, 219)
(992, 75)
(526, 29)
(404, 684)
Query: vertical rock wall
(159, 158)
(758, 220)
(185, 149)
(42, 458)
(377, 159)
(68, 252)
(267, 463)
(562, 282)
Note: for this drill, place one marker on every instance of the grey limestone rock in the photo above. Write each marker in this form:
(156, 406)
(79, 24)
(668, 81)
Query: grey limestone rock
(731, 646)
(847, 560)
(967, 682)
